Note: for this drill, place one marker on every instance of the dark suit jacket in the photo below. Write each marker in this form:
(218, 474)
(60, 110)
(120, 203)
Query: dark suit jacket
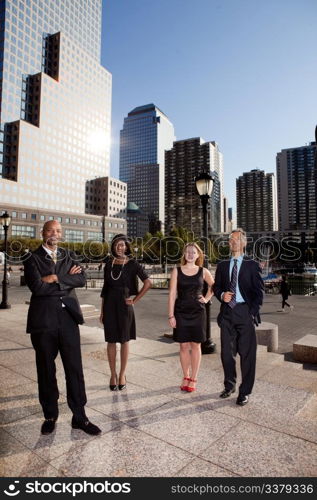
(46, 297)
(250, 284)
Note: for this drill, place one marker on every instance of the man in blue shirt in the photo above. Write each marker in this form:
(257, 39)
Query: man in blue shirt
(239, 287)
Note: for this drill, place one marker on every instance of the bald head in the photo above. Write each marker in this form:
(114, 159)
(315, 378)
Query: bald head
(52, 233)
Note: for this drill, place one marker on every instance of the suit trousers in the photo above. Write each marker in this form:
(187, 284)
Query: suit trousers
(238, 336)
(65, 340)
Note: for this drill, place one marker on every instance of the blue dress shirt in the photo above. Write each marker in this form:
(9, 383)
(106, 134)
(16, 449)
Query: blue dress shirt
(239, 297)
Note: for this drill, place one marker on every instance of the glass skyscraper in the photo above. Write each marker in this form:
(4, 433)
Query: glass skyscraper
(55, 102)
(146, 134)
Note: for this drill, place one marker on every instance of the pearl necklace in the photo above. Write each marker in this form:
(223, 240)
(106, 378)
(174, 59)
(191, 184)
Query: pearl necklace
(111, 273)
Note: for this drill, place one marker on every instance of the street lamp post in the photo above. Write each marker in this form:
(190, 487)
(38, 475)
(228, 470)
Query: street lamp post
(204, 184)
(5, 221)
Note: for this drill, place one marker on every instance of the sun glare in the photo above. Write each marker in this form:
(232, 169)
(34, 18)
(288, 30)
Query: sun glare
(99, 140)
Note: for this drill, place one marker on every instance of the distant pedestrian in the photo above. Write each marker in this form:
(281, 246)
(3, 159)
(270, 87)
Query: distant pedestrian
(285, 291)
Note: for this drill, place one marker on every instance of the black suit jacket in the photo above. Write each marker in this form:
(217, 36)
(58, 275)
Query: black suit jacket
(46, 297)
(250, 284)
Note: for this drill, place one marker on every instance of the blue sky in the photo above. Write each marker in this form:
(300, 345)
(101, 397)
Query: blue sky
(242, 73)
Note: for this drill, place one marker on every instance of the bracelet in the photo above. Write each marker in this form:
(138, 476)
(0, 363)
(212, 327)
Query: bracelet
(170, 317)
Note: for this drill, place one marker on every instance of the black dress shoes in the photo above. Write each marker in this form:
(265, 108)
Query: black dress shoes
(48, 425)
(242, 400)
(85, 426)
(226, 393)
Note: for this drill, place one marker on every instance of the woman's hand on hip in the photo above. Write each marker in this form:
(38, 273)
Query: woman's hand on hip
(129, 302)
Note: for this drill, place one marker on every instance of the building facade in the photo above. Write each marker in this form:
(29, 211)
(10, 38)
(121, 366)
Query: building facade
(256, 201)
(106, 196)
(137, 221)
(225, 215)
(230, 221)
(183, 163)
(27, 222)
(146, 134)
(297, 188)
(55, 103)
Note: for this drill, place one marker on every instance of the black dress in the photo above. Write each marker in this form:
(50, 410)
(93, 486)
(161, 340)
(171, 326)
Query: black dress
(118, 317)
(190, 314)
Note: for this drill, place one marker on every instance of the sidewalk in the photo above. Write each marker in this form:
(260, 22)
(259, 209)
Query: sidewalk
(153, 429)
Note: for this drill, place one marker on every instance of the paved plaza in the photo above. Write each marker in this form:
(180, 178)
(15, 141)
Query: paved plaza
(152, 428)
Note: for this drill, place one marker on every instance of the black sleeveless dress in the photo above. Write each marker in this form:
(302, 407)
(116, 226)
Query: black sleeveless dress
(190, 314)
(118, 317)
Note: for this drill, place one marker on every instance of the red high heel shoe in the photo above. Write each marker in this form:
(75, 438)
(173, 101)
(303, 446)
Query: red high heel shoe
(191, 389)
(184, 387)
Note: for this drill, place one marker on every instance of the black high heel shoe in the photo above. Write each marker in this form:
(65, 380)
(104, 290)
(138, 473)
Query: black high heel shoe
(123, 386)
(113, 387)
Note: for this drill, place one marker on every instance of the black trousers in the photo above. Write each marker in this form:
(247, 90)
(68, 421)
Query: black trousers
(238, 336)
(47, 344)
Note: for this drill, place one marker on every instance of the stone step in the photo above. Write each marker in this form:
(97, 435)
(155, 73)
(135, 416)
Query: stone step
(305, 349)
(92, 314)
(85, 308)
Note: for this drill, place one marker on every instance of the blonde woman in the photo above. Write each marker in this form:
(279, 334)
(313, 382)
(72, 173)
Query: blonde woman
(187, 312)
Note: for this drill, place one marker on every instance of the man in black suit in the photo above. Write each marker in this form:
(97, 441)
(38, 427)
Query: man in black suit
(52, 273)
(239, 287)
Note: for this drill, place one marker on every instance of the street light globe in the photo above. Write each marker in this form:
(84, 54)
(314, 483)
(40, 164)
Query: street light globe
(5, 219)
(204, 184)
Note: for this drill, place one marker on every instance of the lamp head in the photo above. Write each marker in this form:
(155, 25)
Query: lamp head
(5, 219)
(204, 183)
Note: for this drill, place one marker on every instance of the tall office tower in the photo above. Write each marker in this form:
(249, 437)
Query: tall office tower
(225, 214)
(256, 201)
(230, 223)
(183, 162)
(55, 102)
(297, 188)
(146, 134)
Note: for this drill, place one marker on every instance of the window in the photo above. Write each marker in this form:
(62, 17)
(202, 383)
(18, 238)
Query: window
(94, 236)
(23, 215)
(27, 231)
(42, 217)
(74, 235)
(33, 216)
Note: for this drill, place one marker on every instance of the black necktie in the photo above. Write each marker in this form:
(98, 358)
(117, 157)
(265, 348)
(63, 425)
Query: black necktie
(233, 284)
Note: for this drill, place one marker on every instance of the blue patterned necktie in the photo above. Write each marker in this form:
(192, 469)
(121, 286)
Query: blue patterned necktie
(233, 284)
